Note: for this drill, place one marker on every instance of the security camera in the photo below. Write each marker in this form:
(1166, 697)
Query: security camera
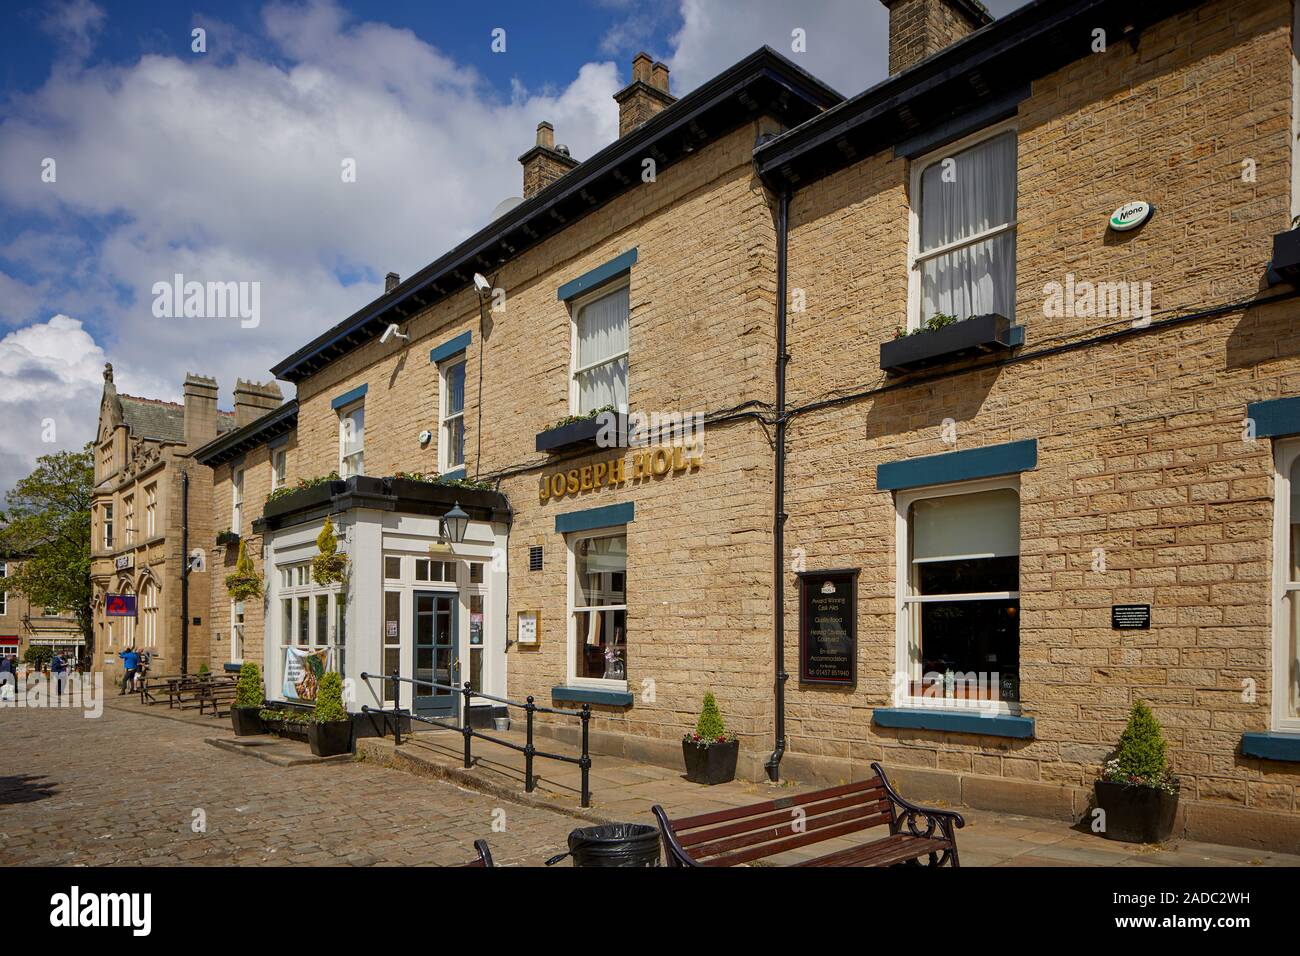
(390, 332)
(481, 284)
(426, 436)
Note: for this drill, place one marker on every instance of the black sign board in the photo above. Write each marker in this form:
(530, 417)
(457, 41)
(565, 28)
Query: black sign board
(828, 627)
(1130, 617)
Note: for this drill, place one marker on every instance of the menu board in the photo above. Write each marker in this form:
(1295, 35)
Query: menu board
(828, 627)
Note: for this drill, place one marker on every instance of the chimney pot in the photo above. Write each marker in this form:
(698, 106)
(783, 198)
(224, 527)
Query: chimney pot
(545, 162)
(392, 281)
(255, 399)
(642, 66)
(645, 96)
(200, 417)
(659, 77)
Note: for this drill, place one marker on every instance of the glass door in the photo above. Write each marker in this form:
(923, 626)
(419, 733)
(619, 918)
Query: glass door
(435, 653)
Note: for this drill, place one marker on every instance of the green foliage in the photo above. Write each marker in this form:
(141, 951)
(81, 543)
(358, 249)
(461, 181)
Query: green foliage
(303, 484)
(570, 419)
(710, 727)
(245, 582)
(38, 655)
(286, 715)
(203, 669)
(248, 692)
(940, 320)
(1140, 757)
(443, 480)
(328, 567)
(47, 520)
(329, 699)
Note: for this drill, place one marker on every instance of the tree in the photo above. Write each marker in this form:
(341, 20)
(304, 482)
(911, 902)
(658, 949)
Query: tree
(47, 523)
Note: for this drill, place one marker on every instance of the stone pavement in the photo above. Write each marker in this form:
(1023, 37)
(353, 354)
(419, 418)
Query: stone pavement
(125, 788)
(623, 790)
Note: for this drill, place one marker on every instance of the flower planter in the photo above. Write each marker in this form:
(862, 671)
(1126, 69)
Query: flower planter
(330, 738)
(570, 436)
(980, 333)
(227, 539)
(1136, 813)
(246, 721)
(710, 763)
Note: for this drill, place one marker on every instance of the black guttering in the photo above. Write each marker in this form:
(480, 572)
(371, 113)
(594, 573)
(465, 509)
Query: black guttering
(763, 83)
(257, 432)
(1025, 45)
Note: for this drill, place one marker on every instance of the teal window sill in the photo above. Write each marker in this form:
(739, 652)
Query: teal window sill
(588, 695)
(1271, 746)
(920, 718)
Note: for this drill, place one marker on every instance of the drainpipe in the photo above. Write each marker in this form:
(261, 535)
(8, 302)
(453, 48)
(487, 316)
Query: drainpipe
(778, 509)
(185, 572)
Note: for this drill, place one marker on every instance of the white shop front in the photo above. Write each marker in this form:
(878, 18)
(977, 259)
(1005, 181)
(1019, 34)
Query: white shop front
(413, 602)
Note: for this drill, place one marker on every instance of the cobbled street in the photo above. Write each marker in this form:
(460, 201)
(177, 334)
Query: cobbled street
(126, 788)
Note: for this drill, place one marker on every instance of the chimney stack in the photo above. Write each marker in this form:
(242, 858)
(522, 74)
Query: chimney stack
(921, 28)
(391, 282)
(253, 400)
(645, 96)
(200, 410)
(545, 162)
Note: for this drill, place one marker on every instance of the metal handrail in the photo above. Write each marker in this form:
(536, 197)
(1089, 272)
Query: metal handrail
(529, 707)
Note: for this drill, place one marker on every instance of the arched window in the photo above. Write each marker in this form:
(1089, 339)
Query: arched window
(128, 623)
(149, 613)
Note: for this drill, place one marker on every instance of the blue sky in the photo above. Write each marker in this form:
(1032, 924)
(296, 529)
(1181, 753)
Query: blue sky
(225, 165)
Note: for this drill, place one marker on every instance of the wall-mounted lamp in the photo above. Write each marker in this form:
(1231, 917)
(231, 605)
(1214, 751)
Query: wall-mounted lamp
(454, 524)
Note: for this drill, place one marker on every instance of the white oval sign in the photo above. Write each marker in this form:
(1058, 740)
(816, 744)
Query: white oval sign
(1130, 215)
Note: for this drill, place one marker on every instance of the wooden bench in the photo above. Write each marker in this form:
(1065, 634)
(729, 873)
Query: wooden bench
(484, 855)
(764, 830)
(219, 698)
(188, 692)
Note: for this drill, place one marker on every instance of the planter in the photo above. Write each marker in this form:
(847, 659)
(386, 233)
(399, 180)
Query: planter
(246, 721)
(331, 738)
(572, 435)
(1286, 255)
(710, 763)
(1135, 813)
(501, 723)
(227, 539)
(980, 333)
(303, 498)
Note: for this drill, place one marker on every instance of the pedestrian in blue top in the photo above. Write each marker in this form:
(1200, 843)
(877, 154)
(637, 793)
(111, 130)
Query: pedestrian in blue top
(130, 664)
(59, 671)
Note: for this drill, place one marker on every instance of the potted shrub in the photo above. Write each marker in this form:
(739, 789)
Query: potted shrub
(1137, 792)
(330, 729)
(244, 582)
(710, 752)
(245, 712)
(328, 567)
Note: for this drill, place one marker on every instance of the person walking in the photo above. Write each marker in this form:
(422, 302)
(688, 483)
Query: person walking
(130, 664)
(58, 672)
(8, 678)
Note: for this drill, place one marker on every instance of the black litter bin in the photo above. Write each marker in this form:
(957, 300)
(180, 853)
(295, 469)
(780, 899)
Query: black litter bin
(614, 844)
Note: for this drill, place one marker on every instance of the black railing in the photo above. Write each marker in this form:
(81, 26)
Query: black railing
(530, 708)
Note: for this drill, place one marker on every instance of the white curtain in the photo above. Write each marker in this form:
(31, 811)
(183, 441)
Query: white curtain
(974, 192)
(603, 334)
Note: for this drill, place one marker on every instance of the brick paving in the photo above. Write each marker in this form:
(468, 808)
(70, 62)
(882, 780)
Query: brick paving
(122, 790)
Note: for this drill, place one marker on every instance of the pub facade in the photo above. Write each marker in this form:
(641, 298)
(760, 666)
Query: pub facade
(981, 388)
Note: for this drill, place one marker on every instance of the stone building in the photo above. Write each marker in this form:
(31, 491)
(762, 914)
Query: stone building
(997, 365)
(151, 526)
(20, 628)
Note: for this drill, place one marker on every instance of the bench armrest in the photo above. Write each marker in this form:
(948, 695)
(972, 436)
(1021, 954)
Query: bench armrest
(674, 853)
(945, 821)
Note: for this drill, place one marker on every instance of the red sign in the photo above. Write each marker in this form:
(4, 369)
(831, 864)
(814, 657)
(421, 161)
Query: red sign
(119, 605)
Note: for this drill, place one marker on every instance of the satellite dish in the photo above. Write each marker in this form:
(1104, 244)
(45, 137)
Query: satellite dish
(505, 205)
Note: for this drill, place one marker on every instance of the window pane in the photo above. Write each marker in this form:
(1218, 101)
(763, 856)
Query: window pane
(973, 280)
(340, 618)
(981, 525)
(286, 621)
(322, 618)
(602, 644)
(392, 568)
(476, 572)
(1293, 658)
(1295, 521)
(978, 192)
(455, 437)
(422, 569)
(456, 388)
(968, 577)
(304, 621)
(603, 385)
(600, 571)
(975, 640)
(602, 328)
